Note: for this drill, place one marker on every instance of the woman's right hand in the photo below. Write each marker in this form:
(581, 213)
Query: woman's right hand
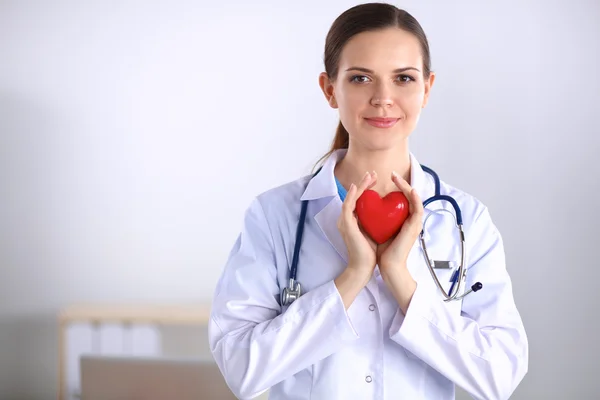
(362, 250)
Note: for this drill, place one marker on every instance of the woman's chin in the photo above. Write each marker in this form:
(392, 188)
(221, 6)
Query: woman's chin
(382, 142)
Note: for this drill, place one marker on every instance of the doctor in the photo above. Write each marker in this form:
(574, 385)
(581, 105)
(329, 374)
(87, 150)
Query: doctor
(370, 323)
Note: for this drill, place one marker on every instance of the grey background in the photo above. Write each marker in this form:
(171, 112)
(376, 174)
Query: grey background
(134, 134)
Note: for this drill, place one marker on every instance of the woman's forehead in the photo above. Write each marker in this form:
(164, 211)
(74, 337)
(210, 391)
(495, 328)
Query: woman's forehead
(384, 49)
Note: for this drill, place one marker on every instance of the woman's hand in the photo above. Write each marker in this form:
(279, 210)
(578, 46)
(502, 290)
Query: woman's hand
(395, 251)
(392, 256)
(362, 255)
(361, 248)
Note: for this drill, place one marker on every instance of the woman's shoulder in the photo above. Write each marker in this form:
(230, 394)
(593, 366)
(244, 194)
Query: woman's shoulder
(475, 213)
(283, 197)
(462, 196)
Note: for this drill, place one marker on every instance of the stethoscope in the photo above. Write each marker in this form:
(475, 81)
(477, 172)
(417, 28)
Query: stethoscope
(294, 290)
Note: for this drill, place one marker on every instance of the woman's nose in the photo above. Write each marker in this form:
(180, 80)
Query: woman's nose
(382, 97)
(379, 101)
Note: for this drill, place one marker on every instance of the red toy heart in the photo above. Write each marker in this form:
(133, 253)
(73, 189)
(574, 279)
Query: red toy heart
(382, 218)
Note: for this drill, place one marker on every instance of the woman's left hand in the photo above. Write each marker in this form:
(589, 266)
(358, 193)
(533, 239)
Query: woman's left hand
(392, 255)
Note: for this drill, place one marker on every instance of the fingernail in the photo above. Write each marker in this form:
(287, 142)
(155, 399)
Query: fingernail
(394, 174)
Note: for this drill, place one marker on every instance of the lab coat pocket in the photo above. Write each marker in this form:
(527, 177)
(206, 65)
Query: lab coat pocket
(445, 277)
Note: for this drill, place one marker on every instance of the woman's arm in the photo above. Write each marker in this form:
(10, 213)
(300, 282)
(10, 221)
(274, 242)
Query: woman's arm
(484, 350)
(254, 344)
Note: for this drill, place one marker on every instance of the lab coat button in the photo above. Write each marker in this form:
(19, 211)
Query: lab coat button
(368, 379)
(372, 307)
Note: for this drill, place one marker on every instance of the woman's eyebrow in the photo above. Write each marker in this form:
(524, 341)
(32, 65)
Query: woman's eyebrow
(396, 71)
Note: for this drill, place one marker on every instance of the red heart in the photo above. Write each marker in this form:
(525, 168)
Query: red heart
(382, 218)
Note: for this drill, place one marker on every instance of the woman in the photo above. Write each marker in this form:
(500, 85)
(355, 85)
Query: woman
(370, 323)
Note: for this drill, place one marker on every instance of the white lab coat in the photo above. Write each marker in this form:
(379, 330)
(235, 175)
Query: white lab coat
(315, 349)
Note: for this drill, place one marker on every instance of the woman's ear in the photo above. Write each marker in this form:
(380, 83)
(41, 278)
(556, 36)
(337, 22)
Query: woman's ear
(328, 89)
(428, 85)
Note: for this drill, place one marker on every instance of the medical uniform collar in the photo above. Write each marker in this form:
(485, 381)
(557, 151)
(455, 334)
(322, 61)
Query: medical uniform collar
(420, 180)
(323, 185)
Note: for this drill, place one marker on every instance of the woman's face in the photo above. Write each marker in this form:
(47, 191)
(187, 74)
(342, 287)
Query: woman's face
(380, 89)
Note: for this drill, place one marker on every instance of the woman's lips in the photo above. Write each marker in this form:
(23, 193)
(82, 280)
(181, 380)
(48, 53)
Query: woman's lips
(382, 122)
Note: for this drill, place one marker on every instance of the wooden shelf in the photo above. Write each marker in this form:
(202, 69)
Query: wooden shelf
(136, 313)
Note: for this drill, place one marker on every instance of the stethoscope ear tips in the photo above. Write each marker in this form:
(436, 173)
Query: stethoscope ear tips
(477, 286)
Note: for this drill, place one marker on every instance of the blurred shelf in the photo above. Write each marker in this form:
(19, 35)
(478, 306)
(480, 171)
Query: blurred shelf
(136, 313)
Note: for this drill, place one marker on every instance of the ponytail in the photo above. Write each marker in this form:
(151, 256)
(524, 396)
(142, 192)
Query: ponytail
(340, 141)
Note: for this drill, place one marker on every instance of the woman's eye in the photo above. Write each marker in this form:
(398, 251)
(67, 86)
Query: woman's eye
(405, 78)
(359, 79)
(365, 79)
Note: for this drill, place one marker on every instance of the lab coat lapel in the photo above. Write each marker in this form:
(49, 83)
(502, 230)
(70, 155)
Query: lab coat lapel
(323, 186)
(420, 180)
(424, 184)
(327, 220)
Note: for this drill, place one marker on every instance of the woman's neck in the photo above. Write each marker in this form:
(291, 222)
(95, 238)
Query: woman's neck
(357, 162)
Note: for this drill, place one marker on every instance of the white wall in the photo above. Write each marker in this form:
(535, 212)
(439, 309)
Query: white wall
(134, 134)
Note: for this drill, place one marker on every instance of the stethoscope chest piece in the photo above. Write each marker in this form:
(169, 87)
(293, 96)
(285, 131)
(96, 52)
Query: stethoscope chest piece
(291, 293)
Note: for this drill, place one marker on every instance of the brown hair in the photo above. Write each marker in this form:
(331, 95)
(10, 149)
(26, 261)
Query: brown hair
(364, 18)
